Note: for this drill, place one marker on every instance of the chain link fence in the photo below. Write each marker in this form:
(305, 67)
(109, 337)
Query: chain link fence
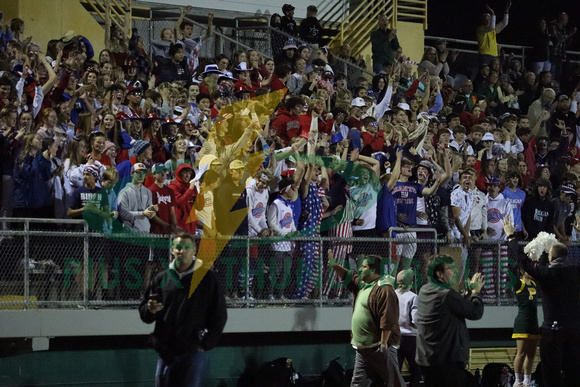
(61, 264)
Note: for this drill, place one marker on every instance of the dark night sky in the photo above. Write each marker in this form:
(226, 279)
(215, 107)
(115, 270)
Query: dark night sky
(459, 18)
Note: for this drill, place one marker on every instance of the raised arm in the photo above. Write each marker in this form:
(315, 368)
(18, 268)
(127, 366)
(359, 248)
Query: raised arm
(396, 170)
(500, 26)
(52, 77)
(209, 32)
(108, 24)
(382, 106)
(184, 11)
(431, 190)
(374, 163)
(427, 82)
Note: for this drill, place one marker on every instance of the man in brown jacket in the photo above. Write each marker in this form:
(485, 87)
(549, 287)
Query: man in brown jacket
(375, 322)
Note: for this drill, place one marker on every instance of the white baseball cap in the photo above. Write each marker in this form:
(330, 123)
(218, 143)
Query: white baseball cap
(487, 137)
(358, 102)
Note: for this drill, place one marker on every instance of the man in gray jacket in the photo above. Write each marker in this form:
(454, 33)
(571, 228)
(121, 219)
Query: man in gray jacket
(135, 210)
(135, 202)
(442, 338)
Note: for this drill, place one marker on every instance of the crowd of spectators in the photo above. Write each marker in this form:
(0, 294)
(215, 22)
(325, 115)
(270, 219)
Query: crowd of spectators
(432, 146)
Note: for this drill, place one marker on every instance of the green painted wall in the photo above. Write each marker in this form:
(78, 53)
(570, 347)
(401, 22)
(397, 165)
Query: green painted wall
(136, 367)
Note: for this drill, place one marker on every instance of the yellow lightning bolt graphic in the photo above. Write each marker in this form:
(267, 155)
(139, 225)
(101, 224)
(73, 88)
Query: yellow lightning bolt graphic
(256, 111)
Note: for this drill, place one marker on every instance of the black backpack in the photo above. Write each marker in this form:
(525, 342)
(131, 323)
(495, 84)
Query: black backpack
(278, 373)
(497, 375)
(334, 375)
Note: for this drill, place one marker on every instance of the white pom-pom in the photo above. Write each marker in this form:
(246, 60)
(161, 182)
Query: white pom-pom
(539, 245)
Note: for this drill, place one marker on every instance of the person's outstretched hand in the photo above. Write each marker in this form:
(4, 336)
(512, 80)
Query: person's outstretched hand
(476, 283)
(508, 227)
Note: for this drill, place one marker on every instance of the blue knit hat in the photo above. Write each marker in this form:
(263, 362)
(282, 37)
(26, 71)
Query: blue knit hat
(139, 147)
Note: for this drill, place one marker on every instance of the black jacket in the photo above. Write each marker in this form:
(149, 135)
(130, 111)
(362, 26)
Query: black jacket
(560, 284)
(538, 215)
(167, 71)
(442, 336)
(289, 26)
(311, 30)
(180, 327)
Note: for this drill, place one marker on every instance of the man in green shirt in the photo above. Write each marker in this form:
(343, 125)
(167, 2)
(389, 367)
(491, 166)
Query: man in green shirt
(375, 322)
(384, 44)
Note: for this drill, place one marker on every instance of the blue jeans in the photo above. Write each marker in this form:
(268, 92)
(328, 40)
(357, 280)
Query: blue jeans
(184, 371)
(377, 67)
(485, 59)
(538, 67)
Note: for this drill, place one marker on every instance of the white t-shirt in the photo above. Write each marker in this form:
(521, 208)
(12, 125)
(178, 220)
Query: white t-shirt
(257, 202)
(464, 201)
(365, 199)
(281, 220)
(205, 215)
(497, 209)
(479, 210)
(421, 208)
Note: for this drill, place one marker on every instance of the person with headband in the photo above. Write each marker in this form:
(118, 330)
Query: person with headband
(91, 203)
(89, 199)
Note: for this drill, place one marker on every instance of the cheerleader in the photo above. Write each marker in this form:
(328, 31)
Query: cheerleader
(525, 329)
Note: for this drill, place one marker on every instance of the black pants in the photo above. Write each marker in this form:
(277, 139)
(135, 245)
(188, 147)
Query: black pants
(445, 375)
(560, 351)
(407, 352)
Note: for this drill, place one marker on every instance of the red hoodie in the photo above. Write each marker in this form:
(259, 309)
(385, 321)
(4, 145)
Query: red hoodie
(323, 126)
(375, 143)
(287, 126)
(276, 84)
(185, 198)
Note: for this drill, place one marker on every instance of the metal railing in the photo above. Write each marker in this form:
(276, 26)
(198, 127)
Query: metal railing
(467, 61)
(220, 43)
(262, 39)
(411, 10)
(55, 263)
(354, 24)
(116, 10)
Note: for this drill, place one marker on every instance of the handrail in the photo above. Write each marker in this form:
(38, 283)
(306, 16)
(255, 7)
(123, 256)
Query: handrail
(360, 22)
(99, 7)
(400, 5)
(299, 41)
(462, 41)
(510, 46)
(227, 38)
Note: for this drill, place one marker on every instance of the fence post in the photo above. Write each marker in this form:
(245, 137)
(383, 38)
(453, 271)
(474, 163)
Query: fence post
(498, 280)
(150, 28)
(321, 270)
(247, 276)
(86, 265)
(26, 263)
(269, 42)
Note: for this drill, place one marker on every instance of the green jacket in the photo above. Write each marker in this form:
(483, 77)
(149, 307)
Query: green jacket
(383, 50)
